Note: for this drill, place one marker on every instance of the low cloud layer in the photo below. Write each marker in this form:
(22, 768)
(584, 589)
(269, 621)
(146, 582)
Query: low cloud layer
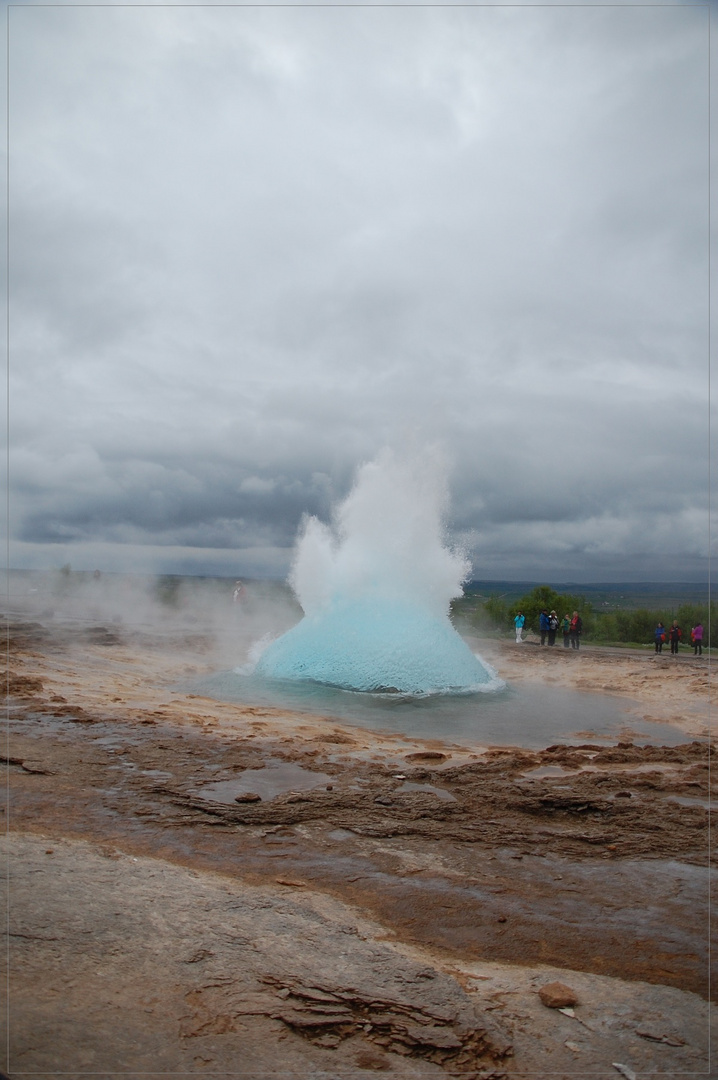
(251, 247)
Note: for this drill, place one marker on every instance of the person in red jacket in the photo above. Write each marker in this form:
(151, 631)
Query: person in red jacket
(674, 635)
(576, 628)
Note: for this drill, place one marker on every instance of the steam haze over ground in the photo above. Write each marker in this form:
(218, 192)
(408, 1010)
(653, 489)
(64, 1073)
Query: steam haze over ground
(251, 246)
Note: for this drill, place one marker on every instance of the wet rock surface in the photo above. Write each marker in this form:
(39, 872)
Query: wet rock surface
(583, 858)
(124, 965)
(244, 968)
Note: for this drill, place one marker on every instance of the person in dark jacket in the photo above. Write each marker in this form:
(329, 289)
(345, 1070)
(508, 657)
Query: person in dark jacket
(660, 634)
(674, 636)
(576, 628)
(543, 625)
(553, 624)
(566, 627)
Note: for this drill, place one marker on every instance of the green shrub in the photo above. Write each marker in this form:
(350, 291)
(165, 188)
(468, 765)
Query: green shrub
(543, 596)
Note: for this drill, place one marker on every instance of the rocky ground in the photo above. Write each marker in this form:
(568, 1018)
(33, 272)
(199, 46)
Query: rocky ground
(200, 887)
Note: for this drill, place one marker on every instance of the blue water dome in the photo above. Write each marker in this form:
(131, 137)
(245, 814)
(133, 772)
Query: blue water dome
(380, 646)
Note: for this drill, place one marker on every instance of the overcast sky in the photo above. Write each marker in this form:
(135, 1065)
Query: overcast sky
(250, 247)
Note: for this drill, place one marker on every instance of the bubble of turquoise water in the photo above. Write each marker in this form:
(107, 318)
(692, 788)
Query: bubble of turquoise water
(378, 646)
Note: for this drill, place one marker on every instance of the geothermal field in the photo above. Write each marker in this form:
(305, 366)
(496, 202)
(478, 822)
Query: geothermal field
(225, 888)
(243, 841)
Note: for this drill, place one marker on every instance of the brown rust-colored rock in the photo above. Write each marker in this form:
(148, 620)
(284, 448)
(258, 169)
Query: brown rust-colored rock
(427, 757)
(23, 686)
(556, 995)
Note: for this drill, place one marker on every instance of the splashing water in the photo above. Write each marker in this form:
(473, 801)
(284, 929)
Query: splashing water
(375, 590)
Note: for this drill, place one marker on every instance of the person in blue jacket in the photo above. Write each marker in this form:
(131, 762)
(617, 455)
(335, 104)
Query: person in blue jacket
(519, 623)
(660, 635)
(543, 625)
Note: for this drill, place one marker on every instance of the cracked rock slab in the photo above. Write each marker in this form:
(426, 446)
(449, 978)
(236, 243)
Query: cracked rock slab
(135, 965)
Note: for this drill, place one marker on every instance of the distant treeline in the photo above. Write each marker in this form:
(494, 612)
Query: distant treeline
(616, 627)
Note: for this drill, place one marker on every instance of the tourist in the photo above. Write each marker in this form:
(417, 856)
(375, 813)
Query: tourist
(552, 627)
(566, 627)
(674, 636)
(519, 623)
(660, 635)
(543, 625)
(697, 639)
(576, 628)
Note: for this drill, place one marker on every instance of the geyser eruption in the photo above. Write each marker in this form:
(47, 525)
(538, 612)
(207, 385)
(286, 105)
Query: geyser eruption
(375, 590)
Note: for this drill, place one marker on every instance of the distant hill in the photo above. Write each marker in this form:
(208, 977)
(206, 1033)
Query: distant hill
(622, 595)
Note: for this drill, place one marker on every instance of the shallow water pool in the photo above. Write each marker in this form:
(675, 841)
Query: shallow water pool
(528, 717)
(266, 782)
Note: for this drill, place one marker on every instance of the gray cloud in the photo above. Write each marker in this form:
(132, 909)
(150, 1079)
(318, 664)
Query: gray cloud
(249, 247)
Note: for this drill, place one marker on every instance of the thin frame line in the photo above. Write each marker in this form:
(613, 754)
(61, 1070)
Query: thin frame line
(7, 536)
(8, 441)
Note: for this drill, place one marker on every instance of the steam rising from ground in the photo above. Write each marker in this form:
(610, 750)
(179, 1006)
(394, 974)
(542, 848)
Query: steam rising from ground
(375, 589)
(136, 605)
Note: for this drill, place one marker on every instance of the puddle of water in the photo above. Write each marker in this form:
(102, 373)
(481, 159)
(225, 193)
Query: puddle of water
(529, 717)
(547, 770)
(442, 793)
(629, 766)
(685, 800)
(267, 783)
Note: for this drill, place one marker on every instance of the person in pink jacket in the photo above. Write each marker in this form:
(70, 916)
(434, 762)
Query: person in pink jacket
(697, 639)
